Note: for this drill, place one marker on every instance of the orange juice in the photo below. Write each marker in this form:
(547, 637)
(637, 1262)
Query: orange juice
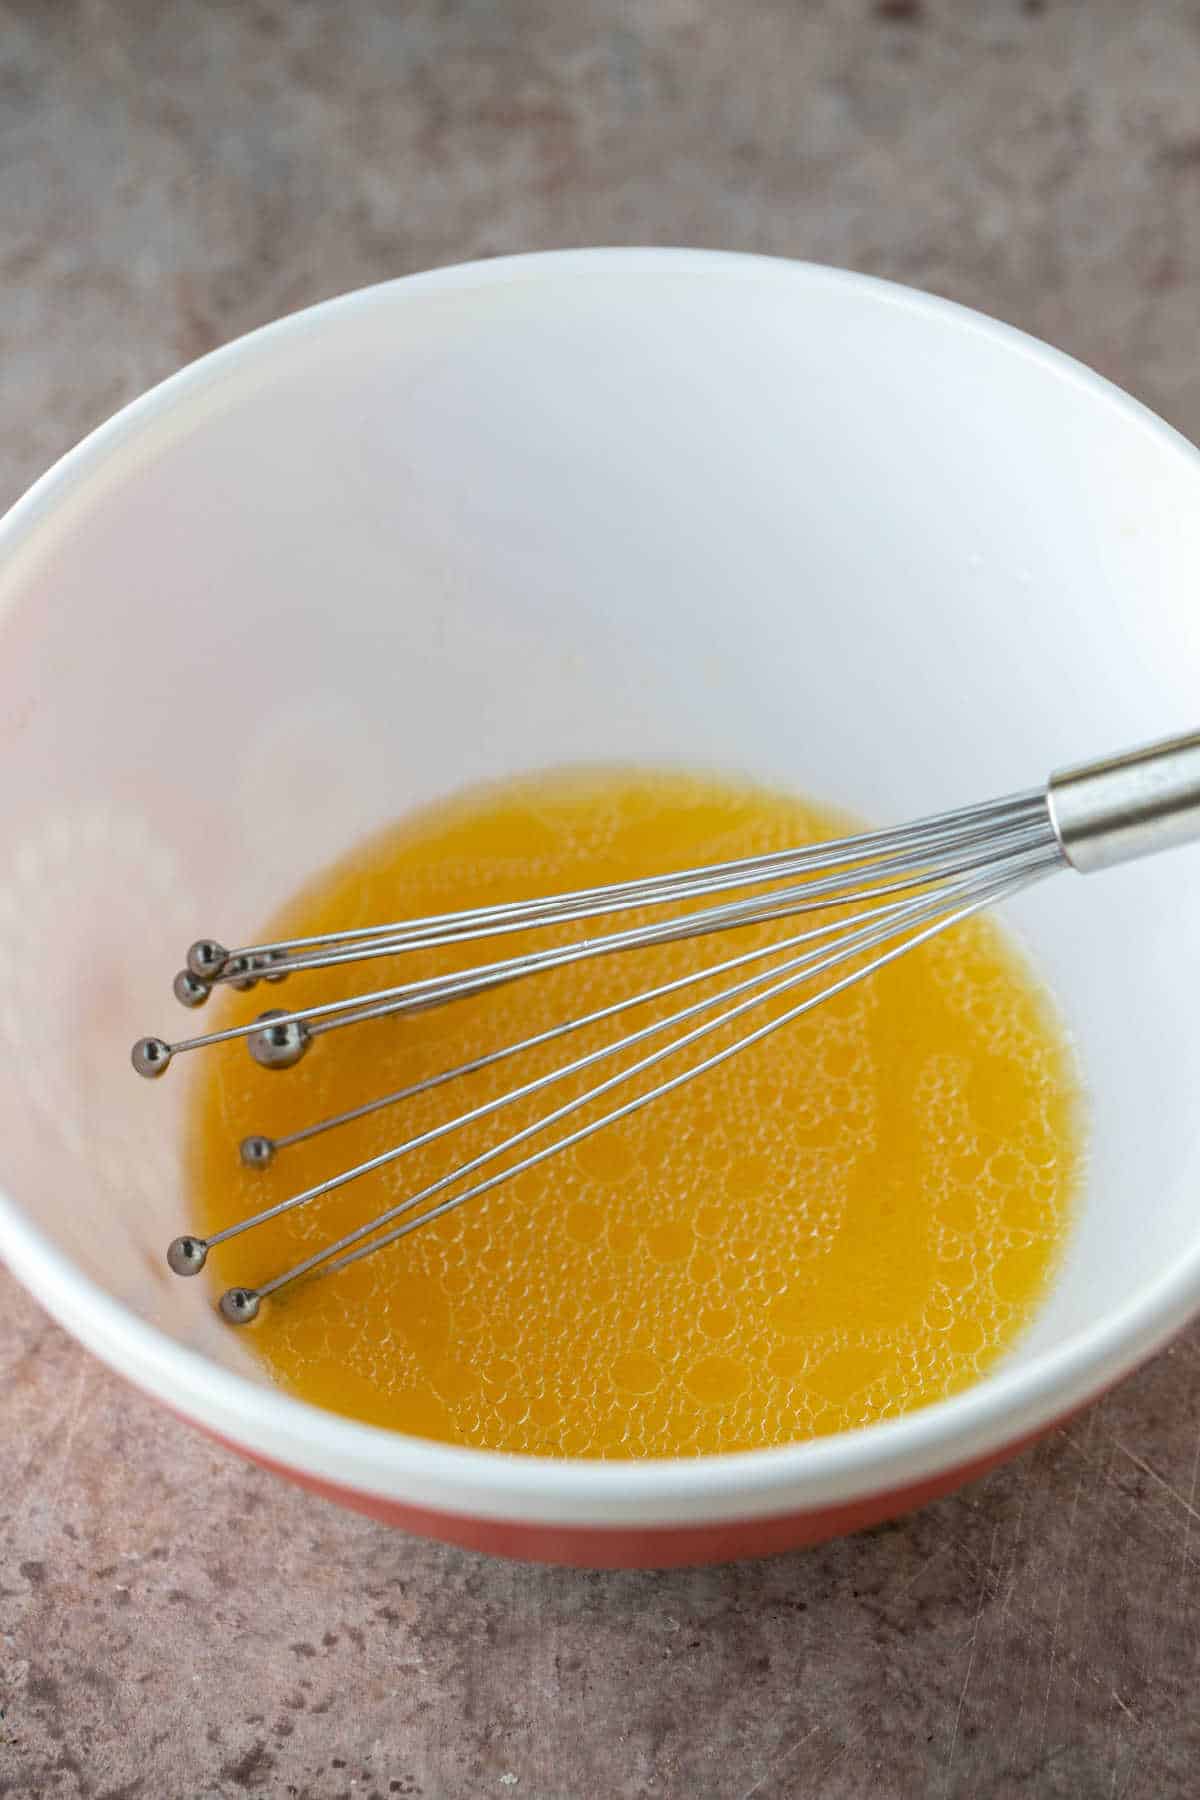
(854, 1217)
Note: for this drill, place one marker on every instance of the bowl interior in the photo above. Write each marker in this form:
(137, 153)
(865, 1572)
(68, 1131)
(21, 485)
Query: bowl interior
(726, 513)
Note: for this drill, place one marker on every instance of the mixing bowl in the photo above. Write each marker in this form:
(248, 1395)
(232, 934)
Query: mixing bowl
(669, 507)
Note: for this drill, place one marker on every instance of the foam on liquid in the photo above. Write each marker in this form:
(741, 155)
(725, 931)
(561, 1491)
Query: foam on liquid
(853, 1218)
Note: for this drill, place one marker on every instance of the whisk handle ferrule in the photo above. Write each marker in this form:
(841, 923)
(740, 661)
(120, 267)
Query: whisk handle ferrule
(1127, 806)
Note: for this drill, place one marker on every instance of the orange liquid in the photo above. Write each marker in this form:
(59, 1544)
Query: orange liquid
(852, 1218)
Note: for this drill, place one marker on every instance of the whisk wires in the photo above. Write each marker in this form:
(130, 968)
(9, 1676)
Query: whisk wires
(888, 892)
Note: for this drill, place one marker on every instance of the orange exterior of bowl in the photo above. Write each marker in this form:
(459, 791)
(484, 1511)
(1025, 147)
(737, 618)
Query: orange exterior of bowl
(649, 1546)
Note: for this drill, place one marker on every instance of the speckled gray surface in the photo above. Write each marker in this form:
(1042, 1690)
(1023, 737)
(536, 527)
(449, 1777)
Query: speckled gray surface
(173, 1624)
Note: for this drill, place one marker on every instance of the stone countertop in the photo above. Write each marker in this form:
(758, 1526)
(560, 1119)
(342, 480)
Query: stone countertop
(177, 1626)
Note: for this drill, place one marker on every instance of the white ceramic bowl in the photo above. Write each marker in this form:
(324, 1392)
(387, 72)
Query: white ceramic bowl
(618, 504)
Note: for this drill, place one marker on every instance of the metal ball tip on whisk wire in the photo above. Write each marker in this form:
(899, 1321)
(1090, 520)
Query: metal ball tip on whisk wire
(891, 891)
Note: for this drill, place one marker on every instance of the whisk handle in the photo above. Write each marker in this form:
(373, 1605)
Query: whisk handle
(1127, 806)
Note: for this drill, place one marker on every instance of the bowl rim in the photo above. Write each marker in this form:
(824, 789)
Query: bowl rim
(1007, 1405)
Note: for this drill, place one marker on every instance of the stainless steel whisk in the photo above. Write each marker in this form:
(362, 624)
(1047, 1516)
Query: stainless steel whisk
(902, 887)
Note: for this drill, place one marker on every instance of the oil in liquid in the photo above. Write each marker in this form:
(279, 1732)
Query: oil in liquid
(850, 1219)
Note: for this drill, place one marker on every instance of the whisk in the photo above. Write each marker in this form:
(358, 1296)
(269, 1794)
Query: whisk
(891, 891)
